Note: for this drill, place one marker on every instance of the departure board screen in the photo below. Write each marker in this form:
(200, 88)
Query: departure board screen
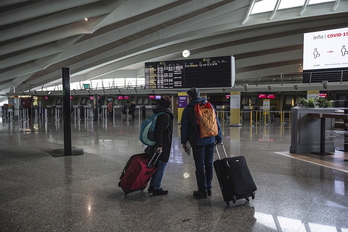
(200, 73)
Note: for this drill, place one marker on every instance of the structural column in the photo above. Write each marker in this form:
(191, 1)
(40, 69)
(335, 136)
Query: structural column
(66, 111)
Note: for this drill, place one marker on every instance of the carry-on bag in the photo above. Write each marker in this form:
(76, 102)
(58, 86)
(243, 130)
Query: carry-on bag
(137, 172)
(234, 178)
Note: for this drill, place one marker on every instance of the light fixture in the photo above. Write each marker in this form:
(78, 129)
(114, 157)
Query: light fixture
(186, 53)
(245, 86)
(325, 84)
(86, 19)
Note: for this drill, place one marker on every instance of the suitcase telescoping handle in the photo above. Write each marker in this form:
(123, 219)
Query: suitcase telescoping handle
(154, 160)
(223, 148)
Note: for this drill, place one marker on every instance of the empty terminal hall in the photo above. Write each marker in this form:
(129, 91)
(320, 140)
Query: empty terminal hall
(174, 115)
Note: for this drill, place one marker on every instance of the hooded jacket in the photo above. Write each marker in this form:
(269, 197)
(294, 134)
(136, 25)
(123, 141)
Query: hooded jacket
(164, 131)
(189, 126)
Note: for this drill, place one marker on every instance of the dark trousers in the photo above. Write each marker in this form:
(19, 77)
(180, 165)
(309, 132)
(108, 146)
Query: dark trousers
(203, 156)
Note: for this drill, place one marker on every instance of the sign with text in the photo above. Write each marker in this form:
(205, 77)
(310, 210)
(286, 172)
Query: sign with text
(325, 49)
(199, 73)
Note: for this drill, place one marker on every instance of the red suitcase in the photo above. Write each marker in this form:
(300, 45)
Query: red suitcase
(137, 172)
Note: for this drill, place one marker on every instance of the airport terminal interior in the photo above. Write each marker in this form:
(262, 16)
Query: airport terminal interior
(44, 191)
(276, 71)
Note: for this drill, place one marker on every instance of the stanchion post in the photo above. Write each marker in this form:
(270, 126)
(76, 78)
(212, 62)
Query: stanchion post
(251, 118)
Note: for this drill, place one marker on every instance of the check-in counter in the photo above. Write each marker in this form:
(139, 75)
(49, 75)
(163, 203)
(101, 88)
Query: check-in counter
(117, 111)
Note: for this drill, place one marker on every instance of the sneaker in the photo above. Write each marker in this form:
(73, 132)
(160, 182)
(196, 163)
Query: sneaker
(159, 192)
(150, 190)
(199, 194)
(209, 192)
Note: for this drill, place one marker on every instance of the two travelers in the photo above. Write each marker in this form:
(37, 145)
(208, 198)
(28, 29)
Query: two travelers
(202, 148)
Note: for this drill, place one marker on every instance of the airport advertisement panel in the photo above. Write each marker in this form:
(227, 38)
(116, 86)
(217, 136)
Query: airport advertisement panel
(325, 49)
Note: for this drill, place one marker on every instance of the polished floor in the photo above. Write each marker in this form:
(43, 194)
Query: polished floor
(39, 192)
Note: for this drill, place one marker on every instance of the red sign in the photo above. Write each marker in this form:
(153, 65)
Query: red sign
(323, 95)
(271, 96)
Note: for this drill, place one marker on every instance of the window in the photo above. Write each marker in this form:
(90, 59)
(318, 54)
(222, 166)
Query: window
(269, 5)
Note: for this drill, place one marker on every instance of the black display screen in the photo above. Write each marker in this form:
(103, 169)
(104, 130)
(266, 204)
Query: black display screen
(200, 73)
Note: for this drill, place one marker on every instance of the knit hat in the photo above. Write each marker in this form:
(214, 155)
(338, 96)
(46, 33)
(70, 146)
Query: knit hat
(193, 93)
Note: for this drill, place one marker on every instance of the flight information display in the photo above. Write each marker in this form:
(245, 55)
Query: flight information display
(200, 73)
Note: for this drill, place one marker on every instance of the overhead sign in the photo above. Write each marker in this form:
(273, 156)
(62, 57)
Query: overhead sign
(200, 73)
(325, 49)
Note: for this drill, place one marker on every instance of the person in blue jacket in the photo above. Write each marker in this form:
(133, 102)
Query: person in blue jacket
(164, 137)
(202, 148)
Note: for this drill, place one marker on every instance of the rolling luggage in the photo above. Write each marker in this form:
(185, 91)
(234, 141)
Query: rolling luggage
(137, 172)
(234, 178)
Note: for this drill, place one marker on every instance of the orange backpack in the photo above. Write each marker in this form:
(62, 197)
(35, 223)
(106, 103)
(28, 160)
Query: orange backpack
(206, 119)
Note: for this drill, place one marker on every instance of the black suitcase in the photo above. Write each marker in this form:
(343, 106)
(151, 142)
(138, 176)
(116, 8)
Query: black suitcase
(234, 178)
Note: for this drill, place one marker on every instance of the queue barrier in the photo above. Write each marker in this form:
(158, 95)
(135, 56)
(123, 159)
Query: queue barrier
(264, 116)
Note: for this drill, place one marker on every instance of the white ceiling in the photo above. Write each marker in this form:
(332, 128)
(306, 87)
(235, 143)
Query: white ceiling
(38, 38)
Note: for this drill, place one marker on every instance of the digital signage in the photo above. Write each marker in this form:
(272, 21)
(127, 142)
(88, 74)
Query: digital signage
(271, 96)
(200, 73)
(325, 56)
(325, 49)
(262, 95)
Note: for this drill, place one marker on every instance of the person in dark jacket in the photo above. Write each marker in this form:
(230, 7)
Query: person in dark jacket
(202, 148)
(164, 135)
(132, 109)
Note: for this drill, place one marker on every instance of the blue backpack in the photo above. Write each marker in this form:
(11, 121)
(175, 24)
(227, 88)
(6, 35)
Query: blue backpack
(147, 130)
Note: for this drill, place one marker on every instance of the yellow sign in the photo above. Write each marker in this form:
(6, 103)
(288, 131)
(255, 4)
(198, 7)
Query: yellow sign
(235, 108)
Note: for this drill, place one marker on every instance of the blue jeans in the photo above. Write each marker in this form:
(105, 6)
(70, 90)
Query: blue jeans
(156, 179)
(203, 156)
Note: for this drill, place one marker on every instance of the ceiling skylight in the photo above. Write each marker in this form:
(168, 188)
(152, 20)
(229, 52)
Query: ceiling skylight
(269, 5)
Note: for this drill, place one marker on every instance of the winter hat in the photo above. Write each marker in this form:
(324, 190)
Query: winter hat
(193, 93)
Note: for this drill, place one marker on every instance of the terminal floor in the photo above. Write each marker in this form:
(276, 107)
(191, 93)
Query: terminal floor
(79, 193)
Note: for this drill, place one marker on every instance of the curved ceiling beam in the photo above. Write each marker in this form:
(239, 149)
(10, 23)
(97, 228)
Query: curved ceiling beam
(40, 9)
(56, 20)
(53, 35)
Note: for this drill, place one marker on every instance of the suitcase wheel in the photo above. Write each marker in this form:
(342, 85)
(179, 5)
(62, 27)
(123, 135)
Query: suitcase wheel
(234, 199)
(228, 203)
(253, 196)
(247, 198)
